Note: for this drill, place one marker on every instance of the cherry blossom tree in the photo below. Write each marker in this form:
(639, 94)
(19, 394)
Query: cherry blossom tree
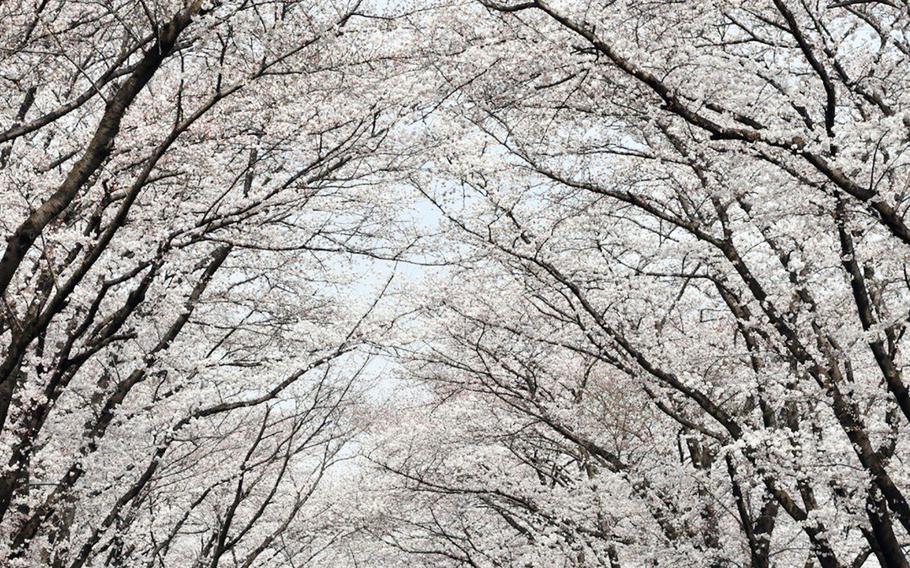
(673, 333)
(653, 312)
(187, 187)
